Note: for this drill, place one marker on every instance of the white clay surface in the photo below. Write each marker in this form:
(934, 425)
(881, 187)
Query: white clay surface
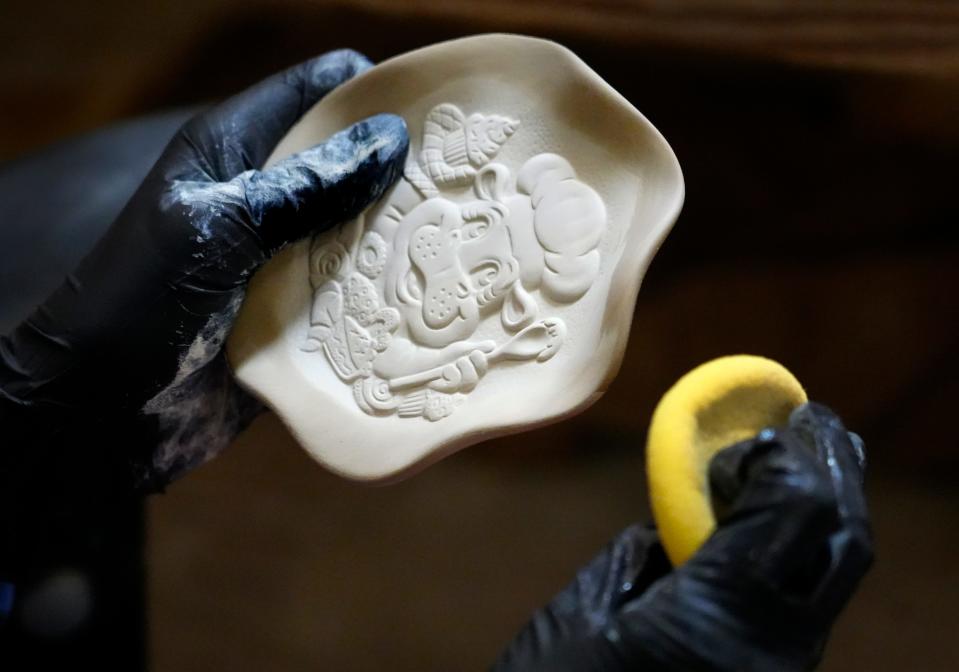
(490, 290)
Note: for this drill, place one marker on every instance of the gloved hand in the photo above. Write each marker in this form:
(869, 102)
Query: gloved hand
(792, 542)
(122, 368)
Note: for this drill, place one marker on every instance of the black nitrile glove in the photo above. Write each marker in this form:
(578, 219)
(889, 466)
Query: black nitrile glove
(122, 369)
(760, 595)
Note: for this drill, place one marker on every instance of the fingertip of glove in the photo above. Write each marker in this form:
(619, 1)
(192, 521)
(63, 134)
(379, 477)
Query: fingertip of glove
(814, 418)
(818, 427)
(858, 449)
(351, 60)
(385, 138)
(389, 128)
(325, 72)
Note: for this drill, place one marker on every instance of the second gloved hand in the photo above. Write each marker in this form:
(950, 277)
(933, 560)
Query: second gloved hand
(762, 593)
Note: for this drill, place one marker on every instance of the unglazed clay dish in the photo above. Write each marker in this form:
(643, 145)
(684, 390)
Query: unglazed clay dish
(491, 289)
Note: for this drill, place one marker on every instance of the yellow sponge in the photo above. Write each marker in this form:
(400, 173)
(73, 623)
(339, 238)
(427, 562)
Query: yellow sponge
(720, 403)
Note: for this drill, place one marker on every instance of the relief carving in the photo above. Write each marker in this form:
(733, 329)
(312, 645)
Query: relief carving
(398, 300)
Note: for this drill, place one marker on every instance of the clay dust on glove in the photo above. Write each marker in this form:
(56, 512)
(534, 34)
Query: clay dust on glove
(128, 352)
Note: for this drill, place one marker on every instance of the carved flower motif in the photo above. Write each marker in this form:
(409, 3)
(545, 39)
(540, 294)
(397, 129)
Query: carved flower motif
(371, 255)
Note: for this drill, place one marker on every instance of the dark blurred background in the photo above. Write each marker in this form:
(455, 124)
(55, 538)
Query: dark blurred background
(819, 144)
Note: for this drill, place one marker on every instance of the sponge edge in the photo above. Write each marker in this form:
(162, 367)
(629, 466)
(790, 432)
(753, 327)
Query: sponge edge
(715, 405)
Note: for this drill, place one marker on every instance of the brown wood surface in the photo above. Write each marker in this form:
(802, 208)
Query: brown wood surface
(877, 35)
(66, 67)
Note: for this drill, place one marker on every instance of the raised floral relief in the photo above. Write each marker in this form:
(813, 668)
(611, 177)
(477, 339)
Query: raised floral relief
(400, 294)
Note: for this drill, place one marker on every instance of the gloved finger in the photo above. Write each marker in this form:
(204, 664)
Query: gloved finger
(623, 570)
(822, 430)
(240, 133)
(325, 185)
(850, 548)
(781, 512)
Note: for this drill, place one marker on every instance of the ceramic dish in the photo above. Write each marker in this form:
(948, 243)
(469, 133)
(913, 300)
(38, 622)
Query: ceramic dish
(492, 288)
